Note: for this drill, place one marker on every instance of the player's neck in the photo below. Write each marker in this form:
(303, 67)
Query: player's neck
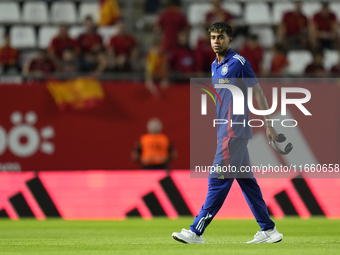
(220, 56)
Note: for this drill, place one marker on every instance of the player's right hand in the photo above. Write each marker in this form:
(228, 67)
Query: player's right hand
(271, 134)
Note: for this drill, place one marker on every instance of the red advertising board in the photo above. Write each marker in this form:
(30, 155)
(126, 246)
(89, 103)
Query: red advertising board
(36, 135)
(99, 195)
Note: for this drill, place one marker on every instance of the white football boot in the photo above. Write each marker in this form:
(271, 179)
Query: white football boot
(187, 236)
(268, 236)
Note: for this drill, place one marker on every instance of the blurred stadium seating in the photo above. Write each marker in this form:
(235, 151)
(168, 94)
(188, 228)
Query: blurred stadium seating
(63, 12)
(89, 8)
(279, 9)
(2, 32)
(35, 13)
(33, 23)
(45, 35)
(298, 61)
(23, 37)
(9, 12)
(98, 138)
(261, 17)
(257, 14)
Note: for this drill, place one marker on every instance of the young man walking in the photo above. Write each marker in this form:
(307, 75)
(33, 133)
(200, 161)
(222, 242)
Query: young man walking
(230, 67)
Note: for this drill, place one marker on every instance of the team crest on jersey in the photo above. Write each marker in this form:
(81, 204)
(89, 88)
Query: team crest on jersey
(224, 70)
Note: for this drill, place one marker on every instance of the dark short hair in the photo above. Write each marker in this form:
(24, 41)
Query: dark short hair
(279, 47)
(325, 4)
(68, 49)
(88, 17)
(221, 27)
(318, 53)
(64, 25)
(253, 37)
(175, 2)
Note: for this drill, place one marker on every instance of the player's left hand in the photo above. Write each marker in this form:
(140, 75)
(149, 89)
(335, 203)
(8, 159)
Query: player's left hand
(271, 134)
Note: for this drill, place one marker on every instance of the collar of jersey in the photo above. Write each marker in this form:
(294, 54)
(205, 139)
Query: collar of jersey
(226, 57)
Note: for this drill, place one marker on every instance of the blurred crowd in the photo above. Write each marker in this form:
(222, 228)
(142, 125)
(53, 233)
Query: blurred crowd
(69, 56)
(170, 53)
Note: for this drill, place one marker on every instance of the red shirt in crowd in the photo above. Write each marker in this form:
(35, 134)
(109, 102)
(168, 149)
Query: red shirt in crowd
(255, 56)
(44, 66)
(122, 44)
(204, 56)
(182, 59)
(89, 42)
(324, 23)
(279, 62)
(8, 55)
(172, 21)
(335, 70)
(217, 16)
(59, 44)
(314, 70)
(294, 23)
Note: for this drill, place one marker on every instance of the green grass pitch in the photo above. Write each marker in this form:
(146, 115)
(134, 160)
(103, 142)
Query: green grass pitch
(137, 236)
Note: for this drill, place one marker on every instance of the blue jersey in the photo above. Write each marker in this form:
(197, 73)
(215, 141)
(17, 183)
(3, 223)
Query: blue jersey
(233, 70)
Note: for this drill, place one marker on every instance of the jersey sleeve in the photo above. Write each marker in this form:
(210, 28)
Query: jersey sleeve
(133, 42)
(160, 21)
(285, 17)
(333, 18)
(52, 46)
(185, 23)
(247, 74)
(112, 43)
(100, 40)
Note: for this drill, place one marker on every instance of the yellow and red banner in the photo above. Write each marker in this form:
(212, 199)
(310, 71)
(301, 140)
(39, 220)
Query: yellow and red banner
(81, 93)
(109, 12)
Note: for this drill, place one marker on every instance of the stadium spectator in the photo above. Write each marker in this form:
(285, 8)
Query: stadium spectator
(279, 61)
(316, 68)
(324, 29)
(293, 30)
(204, 56)
(122, 49)
(154, 150)
(69, 63)
(91, 49)
(156, 67)
(109, 12)
(170, 23)
(9, 57)
(218, 14)
(182, 58)
(39, 66)
(61, 42)
(253, 51)
(335, 70)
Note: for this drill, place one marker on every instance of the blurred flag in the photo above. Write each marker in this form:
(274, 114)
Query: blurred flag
(156, 64)
(82, 93)
(109, 12)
